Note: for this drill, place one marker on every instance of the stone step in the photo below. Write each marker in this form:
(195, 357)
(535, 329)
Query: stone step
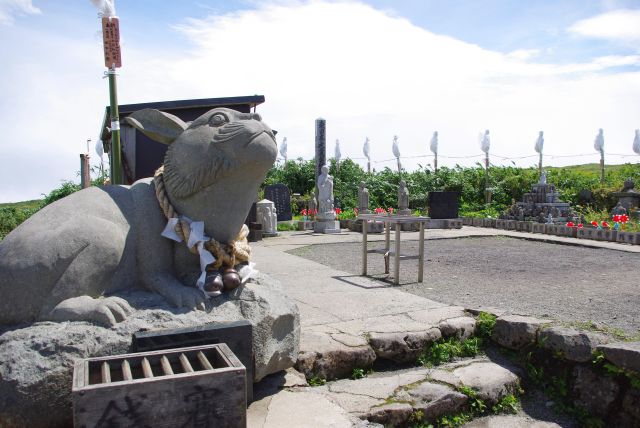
(332, 351)
(386, 398)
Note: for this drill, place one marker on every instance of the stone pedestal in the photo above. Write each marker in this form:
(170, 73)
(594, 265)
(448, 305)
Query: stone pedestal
(404, 212)
(326, 226)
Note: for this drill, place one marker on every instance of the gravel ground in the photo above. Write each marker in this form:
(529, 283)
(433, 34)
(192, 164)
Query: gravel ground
(561, 282)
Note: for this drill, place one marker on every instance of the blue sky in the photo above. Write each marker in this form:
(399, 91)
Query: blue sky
(371, 68)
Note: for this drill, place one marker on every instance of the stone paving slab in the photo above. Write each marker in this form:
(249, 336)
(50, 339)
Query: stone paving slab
(388, 398)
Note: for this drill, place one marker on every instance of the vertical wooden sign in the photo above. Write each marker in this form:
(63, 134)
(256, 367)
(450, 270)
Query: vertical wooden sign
(111, 41)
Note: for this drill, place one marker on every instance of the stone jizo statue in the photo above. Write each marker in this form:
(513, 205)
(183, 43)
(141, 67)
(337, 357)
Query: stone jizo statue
(64, 262)
(325, 194)
(363, 198)
(619, 209)
(403, 197)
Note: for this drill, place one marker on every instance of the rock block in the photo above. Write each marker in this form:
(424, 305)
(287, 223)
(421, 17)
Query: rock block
(323, 356)
(459, 327)
(393, 414)
(435, 400)
(623, 354)
(592, 391)
(572, 344)
(36, 361)
(402, 347)
(516, 332)
(490, 380)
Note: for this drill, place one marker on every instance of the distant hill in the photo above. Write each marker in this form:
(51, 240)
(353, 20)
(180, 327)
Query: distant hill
(35, 203)
(590, 168)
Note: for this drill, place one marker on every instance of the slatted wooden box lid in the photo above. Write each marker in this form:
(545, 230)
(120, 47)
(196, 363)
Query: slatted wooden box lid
(194, 386)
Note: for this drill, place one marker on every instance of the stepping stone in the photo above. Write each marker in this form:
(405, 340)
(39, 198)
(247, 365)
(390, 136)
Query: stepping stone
(508, 421)
(516, 332)
(574, 345)
(623, 354)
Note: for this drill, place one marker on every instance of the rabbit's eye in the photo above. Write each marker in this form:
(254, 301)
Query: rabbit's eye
(218, 119)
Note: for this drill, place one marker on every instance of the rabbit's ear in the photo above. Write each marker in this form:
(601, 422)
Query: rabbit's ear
(157, 125)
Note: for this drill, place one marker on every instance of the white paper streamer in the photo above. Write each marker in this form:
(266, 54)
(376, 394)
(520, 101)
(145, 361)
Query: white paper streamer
(170, 230)
(197, 233)
(636, 142)
(283, 148)
(106, 8)
(433, 146)
(598, 144)
(485, 142)
(365, 149)
(337, 153)
(540, 142)
(395, 148)
(115, 125)
(197, 238)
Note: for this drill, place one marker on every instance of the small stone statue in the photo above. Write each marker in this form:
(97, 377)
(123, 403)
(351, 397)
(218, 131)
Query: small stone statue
(267, 217)
(543, 177)
(619, 209)
(549, 219)
(363, 198)
(403, 198)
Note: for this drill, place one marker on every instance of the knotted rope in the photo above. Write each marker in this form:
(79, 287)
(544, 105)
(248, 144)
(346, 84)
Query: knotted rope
(237, 251)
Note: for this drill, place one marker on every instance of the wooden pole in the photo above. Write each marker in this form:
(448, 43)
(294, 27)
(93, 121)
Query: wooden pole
(540, 166)
(487, 195)
(85, 176)
(116, 154)
(601, 166)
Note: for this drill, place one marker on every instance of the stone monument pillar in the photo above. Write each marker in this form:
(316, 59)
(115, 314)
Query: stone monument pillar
(403, 199)
(266, 215)
(321, 148)
(326, 218)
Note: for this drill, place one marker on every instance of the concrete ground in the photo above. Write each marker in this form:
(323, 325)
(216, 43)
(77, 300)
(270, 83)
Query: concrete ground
(342, 307)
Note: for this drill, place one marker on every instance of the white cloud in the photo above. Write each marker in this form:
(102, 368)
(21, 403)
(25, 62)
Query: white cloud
(524, 54)
(619, 25)
(9, 9)
(367, 72)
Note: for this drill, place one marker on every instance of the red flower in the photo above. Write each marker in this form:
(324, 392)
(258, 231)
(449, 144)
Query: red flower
(594, 223)
(570, 224)
(304, 212)
(624, 218)
(390, 210)
(338, 210)
(605, 224)
(616, 218)
(580, 226)
(355, 210)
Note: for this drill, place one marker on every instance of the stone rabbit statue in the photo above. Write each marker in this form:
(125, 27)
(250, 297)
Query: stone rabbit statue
(65, 261)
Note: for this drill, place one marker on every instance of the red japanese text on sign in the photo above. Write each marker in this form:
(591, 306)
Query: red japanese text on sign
(111, 41)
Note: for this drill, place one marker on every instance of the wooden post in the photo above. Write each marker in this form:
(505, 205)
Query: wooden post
(116, 153)
(540, 166)
(387, 235)
(85, 176)
(421, 253)
(602, 166)
(364, 246)
(487, 193)
(396, 259)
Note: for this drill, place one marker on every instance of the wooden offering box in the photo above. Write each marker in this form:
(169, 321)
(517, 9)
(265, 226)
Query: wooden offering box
(200, 386)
